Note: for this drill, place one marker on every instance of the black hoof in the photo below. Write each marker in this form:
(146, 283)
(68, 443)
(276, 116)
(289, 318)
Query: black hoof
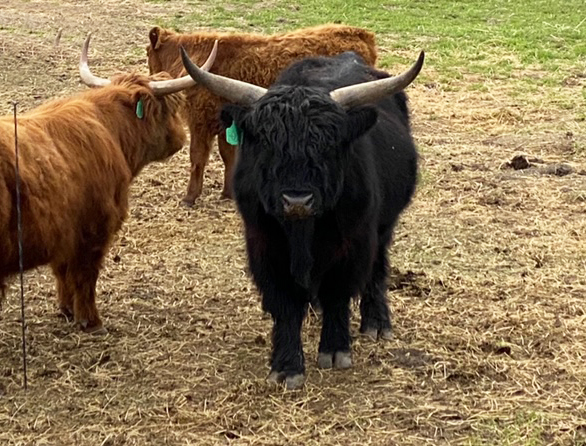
(292, 382)
(338, 360)
(377, 333)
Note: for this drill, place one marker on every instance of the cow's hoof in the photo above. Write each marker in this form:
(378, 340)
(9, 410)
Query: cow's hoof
(276, 377)
(96, 330)
(338, 360)
(371, 333)
(67, 313)
(186, 202)
(295, 382)
(386, 334)
(377, 333)
(325, 360)
(292, 382)
(342, 360)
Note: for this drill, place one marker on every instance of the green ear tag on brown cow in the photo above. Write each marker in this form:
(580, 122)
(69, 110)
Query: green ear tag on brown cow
(233, 134)
(139, 109)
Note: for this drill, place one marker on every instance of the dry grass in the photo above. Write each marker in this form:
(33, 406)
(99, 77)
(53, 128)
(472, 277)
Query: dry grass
(488, 291)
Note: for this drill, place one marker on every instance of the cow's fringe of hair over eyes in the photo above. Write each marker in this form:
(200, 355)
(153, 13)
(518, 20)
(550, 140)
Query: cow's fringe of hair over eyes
(310, 122)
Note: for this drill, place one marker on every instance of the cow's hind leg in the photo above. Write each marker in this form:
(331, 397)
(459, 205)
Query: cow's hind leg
(199, 153)
(374, 310)
(228, 154)
(65, 292)
(83, 273)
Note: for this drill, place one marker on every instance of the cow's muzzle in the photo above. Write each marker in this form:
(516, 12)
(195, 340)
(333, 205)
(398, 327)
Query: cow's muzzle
(297, 206)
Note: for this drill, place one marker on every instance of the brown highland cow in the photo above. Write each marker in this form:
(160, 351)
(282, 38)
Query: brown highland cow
(253, 58)
(77, 157)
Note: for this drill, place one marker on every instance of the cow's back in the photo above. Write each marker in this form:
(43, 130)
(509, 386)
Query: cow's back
(281, 51)
(344, 69)
(258, 58)
(253, 58)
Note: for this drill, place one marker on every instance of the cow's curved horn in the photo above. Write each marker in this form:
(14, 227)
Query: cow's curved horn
(84, 70)
(371, 91)
(160, 88)
(233, 90)
(174, 85)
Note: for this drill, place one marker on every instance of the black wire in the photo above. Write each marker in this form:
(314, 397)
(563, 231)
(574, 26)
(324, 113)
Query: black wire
(20, 253)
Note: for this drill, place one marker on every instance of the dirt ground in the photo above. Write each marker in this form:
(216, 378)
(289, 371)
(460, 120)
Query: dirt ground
(488, 288)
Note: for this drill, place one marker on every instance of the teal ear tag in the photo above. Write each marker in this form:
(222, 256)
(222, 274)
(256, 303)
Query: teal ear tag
(233, 134)
(139, 109)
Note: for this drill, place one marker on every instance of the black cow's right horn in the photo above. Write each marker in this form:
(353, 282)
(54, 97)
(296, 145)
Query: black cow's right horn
(366, 92)
(233, 90)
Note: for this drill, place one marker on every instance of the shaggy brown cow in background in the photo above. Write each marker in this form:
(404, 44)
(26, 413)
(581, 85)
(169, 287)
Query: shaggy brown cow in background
(77, 158)
(253, 58)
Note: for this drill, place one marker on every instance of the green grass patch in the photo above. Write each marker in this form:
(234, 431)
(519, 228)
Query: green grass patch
(501, 33)
(495, 39)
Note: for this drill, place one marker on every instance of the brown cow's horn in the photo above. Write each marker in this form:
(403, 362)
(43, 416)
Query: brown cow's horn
(160, 88)
(233, 90)
(371, 91)
(174, 85)
(84, 70)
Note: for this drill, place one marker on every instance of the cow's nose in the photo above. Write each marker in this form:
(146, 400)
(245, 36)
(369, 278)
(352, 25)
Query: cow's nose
(298, 205)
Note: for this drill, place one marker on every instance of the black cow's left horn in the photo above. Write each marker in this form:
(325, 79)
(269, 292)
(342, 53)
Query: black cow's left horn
(371, 91)
(233, 90)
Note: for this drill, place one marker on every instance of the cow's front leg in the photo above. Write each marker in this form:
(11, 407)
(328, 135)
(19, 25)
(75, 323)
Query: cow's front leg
(287, 360)
(228, 154)
(334, 345)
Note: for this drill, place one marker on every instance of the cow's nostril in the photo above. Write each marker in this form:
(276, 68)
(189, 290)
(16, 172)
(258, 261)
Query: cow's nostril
(308, 201)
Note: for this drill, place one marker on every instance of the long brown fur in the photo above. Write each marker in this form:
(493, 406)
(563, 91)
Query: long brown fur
(77, 159)
(253, 58)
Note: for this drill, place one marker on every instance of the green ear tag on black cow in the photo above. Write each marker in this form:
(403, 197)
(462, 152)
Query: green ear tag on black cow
(139, 109)
(233, 134)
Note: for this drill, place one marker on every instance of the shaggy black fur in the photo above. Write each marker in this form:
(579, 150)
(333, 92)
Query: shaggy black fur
(360, 165)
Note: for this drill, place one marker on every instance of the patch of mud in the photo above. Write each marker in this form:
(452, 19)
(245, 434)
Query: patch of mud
(415, 283)
(410, 281)
(530, 165)
(409, 358)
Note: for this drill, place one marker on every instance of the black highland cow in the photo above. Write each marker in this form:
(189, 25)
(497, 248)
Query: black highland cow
(325, 167)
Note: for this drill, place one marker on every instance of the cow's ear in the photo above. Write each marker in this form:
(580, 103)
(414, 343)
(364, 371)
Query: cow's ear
(154, 36)
(232, 113)
(360, 120)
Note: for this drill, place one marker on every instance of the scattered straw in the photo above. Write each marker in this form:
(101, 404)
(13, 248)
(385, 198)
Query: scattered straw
(487, 291)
